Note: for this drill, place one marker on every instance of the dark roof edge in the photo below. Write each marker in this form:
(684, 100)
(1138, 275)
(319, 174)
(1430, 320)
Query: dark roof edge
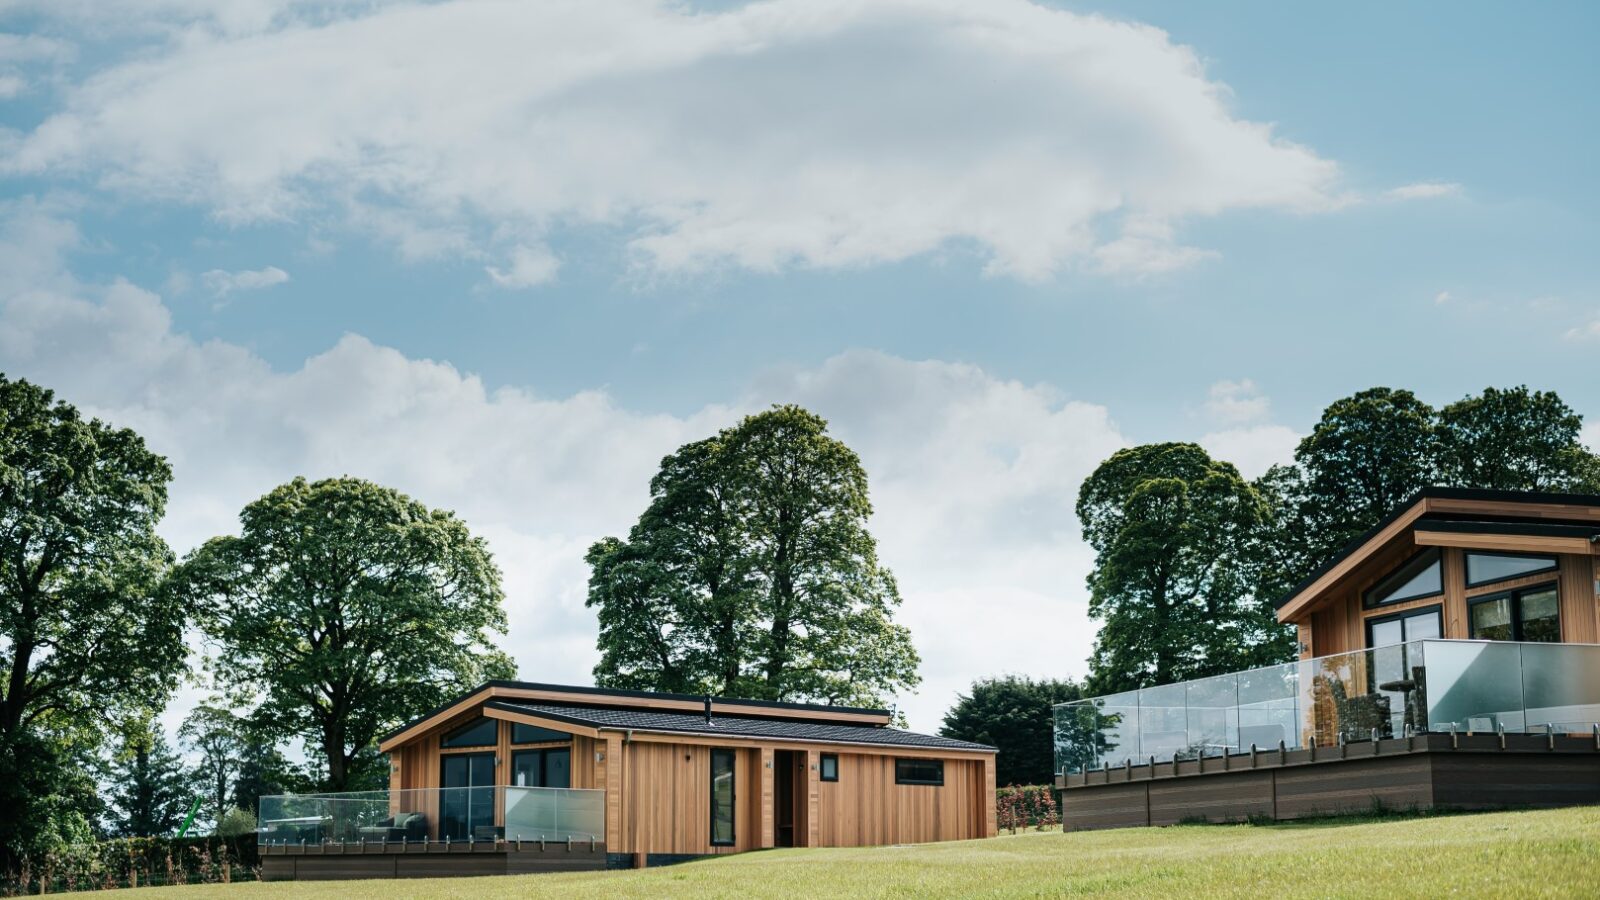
(640, 695)
(1536, 529)
(1429, 493)
(513, 706)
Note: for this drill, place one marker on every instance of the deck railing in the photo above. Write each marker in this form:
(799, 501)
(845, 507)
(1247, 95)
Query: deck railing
(434, 814)
(1421, 686)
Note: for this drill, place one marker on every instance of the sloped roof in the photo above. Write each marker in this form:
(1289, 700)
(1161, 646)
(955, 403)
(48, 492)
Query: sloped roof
(622, 719)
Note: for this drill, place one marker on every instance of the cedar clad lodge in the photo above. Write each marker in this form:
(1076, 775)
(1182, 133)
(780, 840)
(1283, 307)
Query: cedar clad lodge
(520, 777)
(1449, 657)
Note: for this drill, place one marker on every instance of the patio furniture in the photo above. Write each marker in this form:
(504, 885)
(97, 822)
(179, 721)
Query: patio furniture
(411, 826)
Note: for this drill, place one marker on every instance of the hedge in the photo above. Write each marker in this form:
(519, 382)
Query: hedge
(1025, 806)
(136, 862)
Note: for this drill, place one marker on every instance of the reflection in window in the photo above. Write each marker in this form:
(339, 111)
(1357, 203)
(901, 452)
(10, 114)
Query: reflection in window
(1485, 568)
(479, 733)
(1530, 615)
(1419, 577)
(919, 771)
(722, 797)
(542, 768)
(830, 767)
(533, 734)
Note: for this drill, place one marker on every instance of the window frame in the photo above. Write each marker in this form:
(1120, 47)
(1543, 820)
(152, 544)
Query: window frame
(444, 739)
(732, 757)
(559, 735)
(1394, 575)
(901, 778)
(822, 766)
(544, 765)
(1436, 609)
(1466, 566)
(1515, 596)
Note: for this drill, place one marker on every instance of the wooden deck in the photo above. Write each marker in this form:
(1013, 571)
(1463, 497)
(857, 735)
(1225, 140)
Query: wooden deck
(1433, 771)
(430, 859)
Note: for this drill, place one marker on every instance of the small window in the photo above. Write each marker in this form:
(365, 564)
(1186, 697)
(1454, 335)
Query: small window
(722, 797)
(919, 771)
(1487, 568)
(1533, 615)
(830, 767)
(533, 734)
(1419, 577)
(482, 732)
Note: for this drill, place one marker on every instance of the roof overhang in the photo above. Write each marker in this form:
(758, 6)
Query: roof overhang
(1557, 511)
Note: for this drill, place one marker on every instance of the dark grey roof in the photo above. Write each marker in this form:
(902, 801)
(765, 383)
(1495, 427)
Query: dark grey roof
(615, 718)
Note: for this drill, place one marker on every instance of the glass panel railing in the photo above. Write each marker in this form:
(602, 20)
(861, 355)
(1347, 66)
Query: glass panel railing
(1384, 692)
(433, 814)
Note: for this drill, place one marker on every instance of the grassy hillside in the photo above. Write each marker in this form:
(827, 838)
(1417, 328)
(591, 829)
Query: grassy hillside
(1522, 854)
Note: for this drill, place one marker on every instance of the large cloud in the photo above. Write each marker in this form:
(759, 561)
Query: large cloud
(790, 132)
(973, 476)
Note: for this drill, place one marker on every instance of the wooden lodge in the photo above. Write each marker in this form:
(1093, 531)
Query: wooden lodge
(525, 777)
(1449, 657)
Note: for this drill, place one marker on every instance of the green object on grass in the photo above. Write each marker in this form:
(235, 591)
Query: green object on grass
(189, 819)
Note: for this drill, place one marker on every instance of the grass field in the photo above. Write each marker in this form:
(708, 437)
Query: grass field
(1521, 854)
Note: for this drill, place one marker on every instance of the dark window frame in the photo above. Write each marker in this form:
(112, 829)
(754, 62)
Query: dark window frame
(1394, 576)
(559, 735)
(1515, 596)
(544, 765)
(1466, 567)
(900, 777)
(822, 767)
(1435, 608)
(732, 757)
(444, 742)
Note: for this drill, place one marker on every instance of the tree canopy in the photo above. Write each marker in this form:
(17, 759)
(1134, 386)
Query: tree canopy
(1012, 714)
(346, 607)
(151, 791)
(752, 574)
(1173, 532)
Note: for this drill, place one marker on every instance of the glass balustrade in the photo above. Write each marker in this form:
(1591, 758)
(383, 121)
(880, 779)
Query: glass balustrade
(1385, 692)
(436, 814)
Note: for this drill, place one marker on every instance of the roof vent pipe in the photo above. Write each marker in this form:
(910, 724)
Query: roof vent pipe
(708, 709)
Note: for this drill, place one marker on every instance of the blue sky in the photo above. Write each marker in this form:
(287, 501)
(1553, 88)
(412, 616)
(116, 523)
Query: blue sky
(538, 245)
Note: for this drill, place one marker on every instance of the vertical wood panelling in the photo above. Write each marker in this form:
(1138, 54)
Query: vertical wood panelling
(813, 798)
(1577, 588)
(1455, 593)
(767, 770)
(865, 807)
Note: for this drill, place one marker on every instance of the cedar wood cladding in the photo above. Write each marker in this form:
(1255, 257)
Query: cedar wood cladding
(651, 754)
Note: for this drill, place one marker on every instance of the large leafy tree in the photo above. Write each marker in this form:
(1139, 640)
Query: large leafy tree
(1173, 530)
(1013, 714)
(87, 637)
(1514, 439)
(218, 741)
(151, 791)
(345, 608)
(752, 574)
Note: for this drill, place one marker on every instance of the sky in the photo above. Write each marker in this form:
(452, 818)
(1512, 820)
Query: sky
(504, 256)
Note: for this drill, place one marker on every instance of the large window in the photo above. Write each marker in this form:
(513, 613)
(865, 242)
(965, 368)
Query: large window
(1420, 577)
(1533, 615)
(550, 767)
(1412, 625)
(1487, 568)
(722, 797)
(533, 734)
(479, 733)
(919, 771)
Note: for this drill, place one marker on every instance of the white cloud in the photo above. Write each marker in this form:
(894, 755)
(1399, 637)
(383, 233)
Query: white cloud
(11, 86)
(1253, 449)
(530, 266)
(1586, 331)
(766, 136)
(1590, 436)
(1441, 298)
(1236, 402)
(222, 283)
(974, 477)
(1424, 190)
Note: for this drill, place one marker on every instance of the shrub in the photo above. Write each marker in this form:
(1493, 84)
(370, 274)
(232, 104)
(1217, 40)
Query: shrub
(1028, 806)
(135, 862)
(236, 822)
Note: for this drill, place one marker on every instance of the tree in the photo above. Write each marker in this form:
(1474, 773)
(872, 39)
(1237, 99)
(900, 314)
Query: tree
(346, 608)
(150, 790)
(216, 736)
(1514, 439)
(1013, 714)
(752, 574)
(1172, 530)
(263, 769)
(87, 637)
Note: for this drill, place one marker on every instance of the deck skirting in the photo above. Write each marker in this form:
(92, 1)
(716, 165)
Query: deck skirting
(1424, 772)
(431, 859)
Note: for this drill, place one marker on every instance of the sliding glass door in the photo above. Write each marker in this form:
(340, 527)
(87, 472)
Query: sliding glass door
(467, 801)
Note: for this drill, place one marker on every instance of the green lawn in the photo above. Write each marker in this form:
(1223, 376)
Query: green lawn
(1546, 853)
